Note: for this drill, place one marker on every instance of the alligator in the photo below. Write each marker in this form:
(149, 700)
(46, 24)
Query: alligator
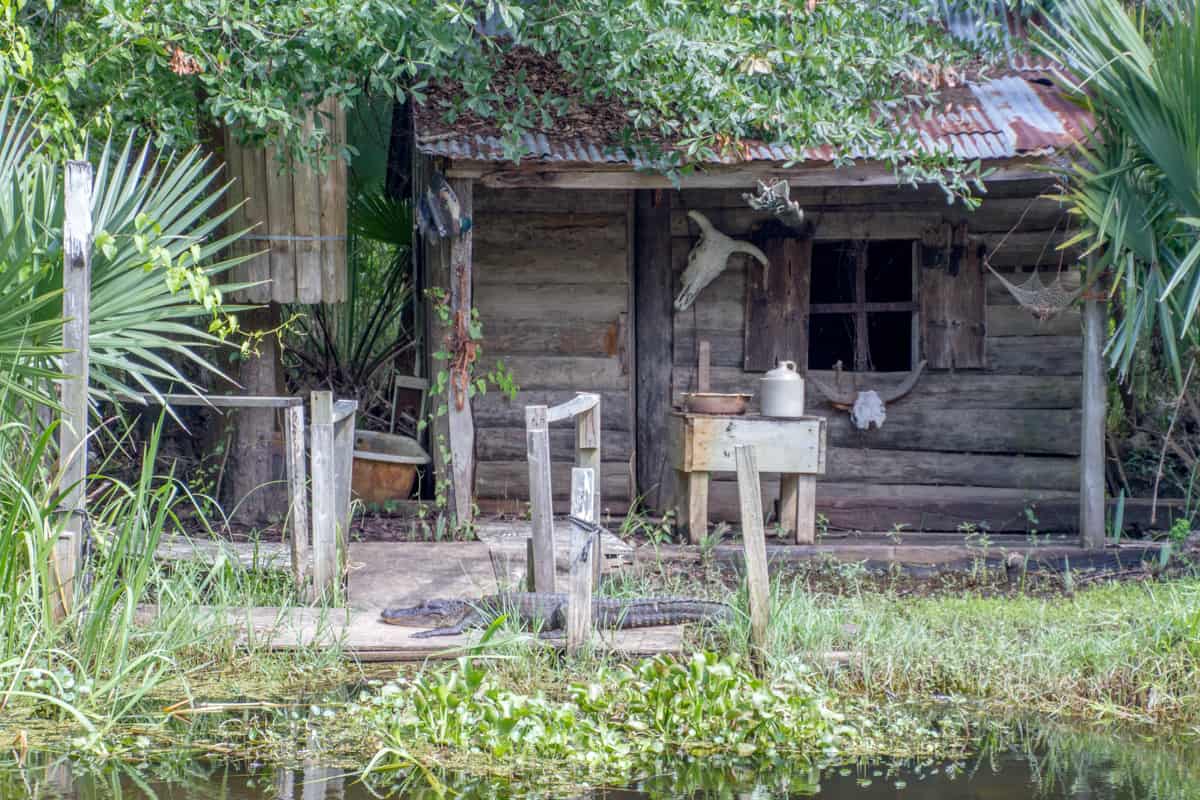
(550, 609)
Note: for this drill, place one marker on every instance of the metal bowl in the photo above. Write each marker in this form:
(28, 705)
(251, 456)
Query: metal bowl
(715, 403)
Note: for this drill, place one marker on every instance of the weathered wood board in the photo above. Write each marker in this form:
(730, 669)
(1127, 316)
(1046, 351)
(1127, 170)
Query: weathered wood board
(364, 638)
(708, 444)
(552, 286)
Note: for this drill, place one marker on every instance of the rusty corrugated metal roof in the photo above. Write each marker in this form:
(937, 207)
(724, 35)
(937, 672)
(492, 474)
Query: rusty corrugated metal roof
(1017, 114)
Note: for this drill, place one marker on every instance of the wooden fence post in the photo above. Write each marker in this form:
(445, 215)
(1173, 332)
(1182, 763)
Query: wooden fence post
(754, 540)
(1091, 451)
(324, 510)
(583, 554)
(541, 500)
(297, 477)
(343, 468)
(72, 434)
(587, 448)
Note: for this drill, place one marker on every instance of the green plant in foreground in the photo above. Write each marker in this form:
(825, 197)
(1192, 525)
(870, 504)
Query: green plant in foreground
(607, 728)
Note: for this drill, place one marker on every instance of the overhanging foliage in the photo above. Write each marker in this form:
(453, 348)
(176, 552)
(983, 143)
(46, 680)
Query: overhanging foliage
(698, 74)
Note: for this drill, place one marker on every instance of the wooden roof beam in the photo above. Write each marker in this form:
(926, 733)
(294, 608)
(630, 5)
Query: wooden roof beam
(594, 176)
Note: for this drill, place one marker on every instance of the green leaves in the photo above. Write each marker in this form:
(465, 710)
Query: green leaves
(702, 75)
(157, 248)
(1137, 192)
(611, 728)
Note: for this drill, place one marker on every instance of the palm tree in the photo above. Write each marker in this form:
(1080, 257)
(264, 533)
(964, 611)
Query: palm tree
(1136, 186)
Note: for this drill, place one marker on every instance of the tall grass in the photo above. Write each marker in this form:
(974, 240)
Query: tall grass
(97, 668)
(1118, 651)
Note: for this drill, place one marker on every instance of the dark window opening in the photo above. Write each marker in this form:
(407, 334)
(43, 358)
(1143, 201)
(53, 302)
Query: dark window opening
(833, 267)
(889, 336)
(835, 335)
(889, 271)
(862, 306)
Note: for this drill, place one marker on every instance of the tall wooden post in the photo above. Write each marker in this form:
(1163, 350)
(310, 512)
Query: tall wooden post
(461, 423)
(324, 510)
(1091, 450)
(448, 269)
(297, 474)
(654, 332)
(541, 498)
(754, 540)
(72, 435)
(583, 555)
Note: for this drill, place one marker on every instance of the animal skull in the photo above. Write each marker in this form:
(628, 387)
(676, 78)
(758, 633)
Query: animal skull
(868, 410)
(866, 406)
(775, 198)
(709, 258)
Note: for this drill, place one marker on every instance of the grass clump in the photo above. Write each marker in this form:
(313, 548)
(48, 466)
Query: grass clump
(1128, 651)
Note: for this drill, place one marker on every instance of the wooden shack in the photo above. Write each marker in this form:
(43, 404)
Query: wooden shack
(575, 261)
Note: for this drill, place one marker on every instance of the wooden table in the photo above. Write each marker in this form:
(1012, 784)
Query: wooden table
(701, 444)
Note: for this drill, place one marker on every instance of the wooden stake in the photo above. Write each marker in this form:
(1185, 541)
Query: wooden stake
(537, 444)
(587, 448)
(1091, 451)
(704, 366)
(753, 538)
(579, 597)
(72, 435)
(324, 505)
(343, 468)
(297, 477)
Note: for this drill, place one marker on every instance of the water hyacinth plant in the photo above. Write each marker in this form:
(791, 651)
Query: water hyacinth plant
(611, 728)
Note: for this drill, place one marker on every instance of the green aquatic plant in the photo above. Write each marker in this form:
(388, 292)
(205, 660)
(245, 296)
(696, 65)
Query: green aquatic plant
(605, 729)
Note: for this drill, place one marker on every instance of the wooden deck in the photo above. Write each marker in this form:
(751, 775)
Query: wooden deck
(384, 574)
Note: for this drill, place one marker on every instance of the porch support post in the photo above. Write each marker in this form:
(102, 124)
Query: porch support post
(653, 345)
(1091, 450)
(448, 268)
(461, 421)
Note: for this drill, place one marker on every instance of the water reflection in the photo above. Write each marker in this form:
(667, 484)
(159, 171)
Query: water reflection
(1058, 764)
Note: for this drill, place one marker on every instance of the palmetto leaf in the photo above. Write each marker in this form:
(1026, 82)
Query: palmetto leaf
(1138, 191)
(147, 209)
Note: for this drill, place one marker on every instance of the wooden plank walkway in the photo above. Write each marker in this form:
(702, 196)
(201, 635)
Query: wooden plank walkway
(364, 638)
(385, 574)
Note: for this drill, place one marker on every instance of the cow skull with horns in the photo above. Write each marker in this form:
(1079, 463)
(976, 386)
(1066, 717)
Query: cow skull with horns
(709, 258)
(867, 406)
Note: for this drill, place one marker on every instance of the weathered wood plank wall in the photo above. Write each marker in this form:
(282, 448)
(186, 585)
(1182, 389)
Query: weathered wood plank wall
(552, 285)
(965, 447)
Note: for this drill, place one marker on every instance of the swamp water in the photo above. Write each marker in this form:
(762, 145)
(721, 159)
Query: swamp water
(1050, 764)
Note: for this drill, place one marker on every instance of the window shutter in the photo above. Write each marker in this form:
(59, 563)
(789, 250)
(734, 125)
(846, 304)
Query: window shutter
(777, 314)
(953, 302)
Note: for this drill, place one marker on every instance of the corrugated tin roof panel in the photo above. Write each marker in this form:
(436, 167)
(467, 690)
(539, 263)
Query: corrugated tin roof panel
(1005, 117)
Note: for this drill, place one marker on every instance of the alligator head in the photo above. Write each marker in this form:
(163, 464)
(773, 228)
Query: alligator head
(433, 612)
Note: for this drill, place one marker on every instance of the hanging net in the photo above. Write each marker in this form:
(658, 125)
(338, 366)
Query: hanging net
(1042, 300)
